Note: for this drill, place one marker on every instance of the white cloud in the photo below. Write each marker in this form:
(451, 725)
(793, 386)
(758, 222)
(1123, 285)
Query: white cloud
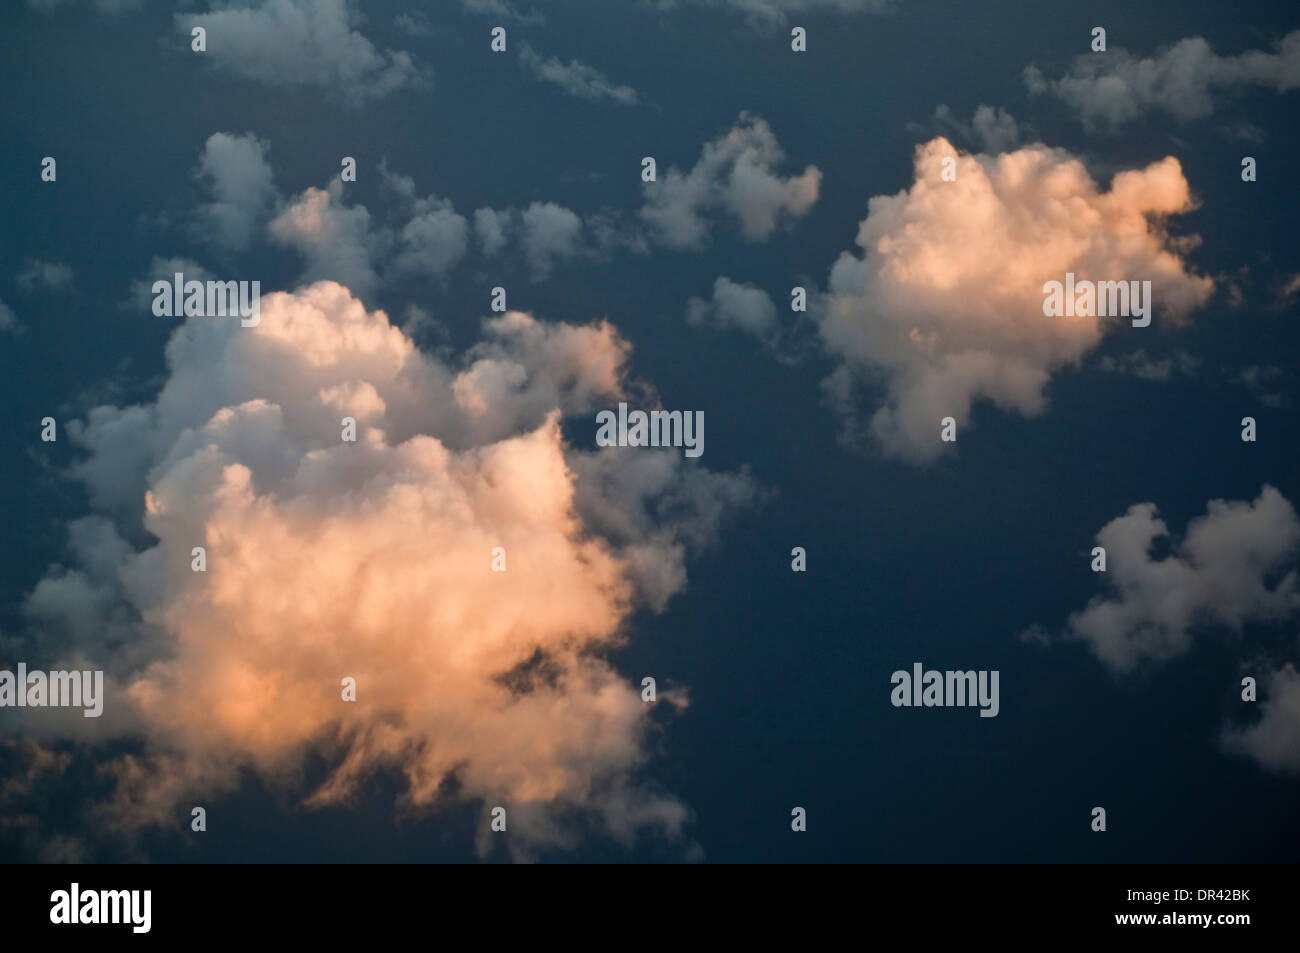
(1138, 364)
(372, 560)
(1184, 80)
(1274, 740)
(8, 320)
(296, 43)
(991, 130)
(235, 169)
(577, 79)
(106, 7)
(46, 275)
(734, 178)
(771, 12)
(945, 305)
(733, 305)
(335, 239)
(492, 227)
(162, 269)
(551, 233)
(1236, 564)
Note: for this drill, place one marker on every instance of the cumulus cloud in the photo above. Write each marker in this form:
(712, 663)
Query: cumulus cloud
(771, 12)
(945, 304)
(415, 23)
(743, 306)
(991, 130)
(1233, 567)
(1264, 381)
(235, 170)
(501, 8)
(46, 275)
(1236, 564)
(335, 239)
(372, 560)
(434, 240)
(162, 269)
(734, 178)
(296, 43)
(551, 233)
(1274, 740)
(106, 7)
(492, 227)
(1138, 364)
(576, 79)
(8, 320)
(1184, 80)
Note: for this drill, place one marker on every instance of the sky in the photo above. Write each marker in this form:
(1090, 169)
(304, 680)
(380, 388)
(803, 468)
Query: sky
(496, 582)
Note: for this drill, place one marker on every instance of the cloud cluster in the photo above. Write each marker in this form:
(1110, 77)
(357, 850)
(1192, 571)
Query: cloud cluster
(295, 43)
(1112, 88)
(1236, 565)
(945, 304)
(735, 179)
(372, 560)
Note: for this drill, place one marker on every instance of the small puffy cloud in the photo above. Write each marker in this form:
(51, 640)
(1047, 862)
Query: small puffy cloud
(415, 23)
(1138, 364)
(106, 7)
(576, 79)
(1274, 740)
(502, 9)
(1184, 80)
(434, 240)
(335, 239)
(235, 170)
(734, 178)
(296, 43)
(733, 305)
(1290, 289)
(767, 13)
(162, 269)
(550, 233)
(372, 560)
(1263, 381)
(492, 228)
(947, 297)
(8, 320)
(45, 275)
(991, 130)
(1234, 565)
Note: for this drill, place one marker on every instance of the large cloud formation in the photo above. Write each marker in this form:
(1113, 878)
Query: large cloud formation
(372, 560)
(946, 302)
(1234, 566)
(1183, 80)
